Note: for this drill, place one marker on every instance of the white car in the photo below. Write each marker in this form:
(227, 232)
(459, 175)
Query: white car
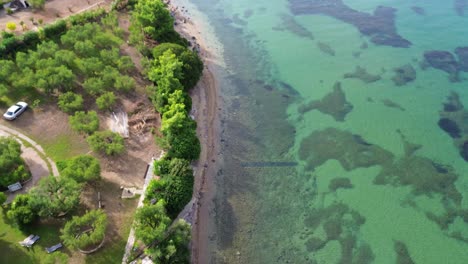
(14, 111)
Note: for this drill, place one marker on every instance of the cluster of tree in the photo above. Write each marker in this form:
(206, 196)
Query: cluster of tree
(166, 242)
(55, 196)
(85, 231)
(174, 69)
(52, 197)
(151, 21)
(12, 166)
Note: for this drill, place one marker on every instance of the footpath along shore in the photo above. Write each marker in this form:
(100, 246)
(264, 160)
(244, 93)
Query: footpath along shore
(207, 107)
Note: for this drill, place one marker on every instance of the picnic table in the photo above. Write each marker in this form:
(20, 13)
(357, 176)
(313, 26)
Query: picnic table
(53, 248)
(29, 241)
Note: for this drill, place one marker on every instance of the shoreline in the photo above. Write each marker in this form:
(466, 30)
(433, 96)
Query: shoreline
(206, 107)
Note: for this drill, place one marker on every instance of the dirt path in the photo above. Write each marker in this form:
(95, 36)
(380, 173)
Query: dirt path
(34, 156)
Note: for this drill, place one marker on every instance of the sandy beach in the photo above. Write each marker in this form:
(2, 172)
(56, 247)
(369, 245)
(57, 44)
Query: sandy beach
(207, 106)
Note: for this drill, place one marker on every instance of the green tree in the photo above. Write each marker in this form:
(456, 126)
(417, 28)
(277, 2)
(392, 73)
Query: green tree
(155, 19)
(173, 249)
(70, 102)
(107, 142)
(82, 168)
(12, 167)
(3, 198)
(94, 85)
(54, 196)
(55, 258)
(94, 222)
(192, 65)
(84, 122)
(124, 83)
(21, 211)
(106, 101)
(151, 222)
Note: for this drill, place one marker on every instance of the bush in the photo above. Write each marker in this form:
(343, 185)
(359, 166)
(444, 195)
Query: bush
(72, 233)
(107, 142)
(3, 198)
(56, 29)
(31, 39)
(54, 196)
(106, 101)
(39, 4)
(82, 168)
(21, 211)
(12, 167)
(11, 26)
(85, 122)
(70, 102)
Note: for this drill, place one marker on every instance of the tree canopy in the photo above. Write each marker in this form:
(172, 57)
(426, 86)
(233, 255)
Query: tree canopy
(54, 196)
(70, 102)
(84, 122)
(84, 231)
(12, 167)
(107, 142)
(173, 249)
(151, 222)
(21, 211)
(82, 168)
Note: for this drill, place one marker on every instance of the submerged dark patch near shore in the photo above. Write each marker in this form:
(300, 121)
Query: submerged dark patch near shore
(379, 26)
(362, 74)
(333, 104)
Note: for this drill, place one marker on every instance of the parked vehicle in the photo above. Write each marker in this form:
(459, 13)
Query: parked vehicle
(14, 111)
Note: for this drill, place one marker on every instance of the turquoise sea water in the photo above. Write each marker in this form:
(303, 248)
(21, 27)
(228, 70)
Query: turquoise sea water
(355, 172)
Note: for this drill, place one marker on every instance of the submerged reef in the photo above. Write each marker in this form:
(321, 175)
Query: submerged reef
(362, 74)
(462, 54)
(453, 121)
(340, 223)
(325, 48)
(350, 150)
(333, 104)
(402, 253)
(442, 60)
(392, 104)
(379, 27)
(460, 6)
(289, 23)
(446, 61)
(340, 182)
(418, 10)
(404, 74)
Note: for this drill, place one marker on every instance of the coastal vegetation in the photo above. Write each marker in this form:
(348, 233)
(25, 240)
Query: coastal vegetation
(85, 231)
(12, 167)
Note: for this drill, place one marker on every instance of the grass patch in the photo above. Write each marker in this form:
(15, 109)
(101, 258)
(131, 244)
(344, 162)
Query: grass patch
(12, 252)
(63, 147)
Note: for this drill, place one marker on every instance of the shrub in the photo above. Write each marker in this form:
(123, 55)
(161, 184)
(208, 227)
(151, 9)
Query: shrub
(21, 211)
(11, 26)
(107, 142)
(82, 168)
(39, 4)
(74, 233)
(12, 168)
(54, 196)
(106, 101)
(55, 29)
(70, 102)
(31, 38)
(3, 198)
(85, 122)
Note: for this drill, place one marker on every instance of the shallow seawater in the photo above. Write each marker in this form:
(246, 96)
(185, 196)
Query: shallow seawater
(333, 147)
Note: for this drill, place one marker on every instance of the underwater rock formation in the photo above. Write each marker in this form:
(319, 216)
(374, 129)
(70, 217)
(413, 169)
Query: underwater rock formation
(333, 104)
(341, 182)
(362, 74)
(379, 26)
(418, 10)
(422, 175)
(450, 127)
(325, 48)
(460, 6)
(290, 24)
(462, 54)
(391, 104)
(402, 253)
(404, 75)
(442, 60)
(350, 150)
(453, 120)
